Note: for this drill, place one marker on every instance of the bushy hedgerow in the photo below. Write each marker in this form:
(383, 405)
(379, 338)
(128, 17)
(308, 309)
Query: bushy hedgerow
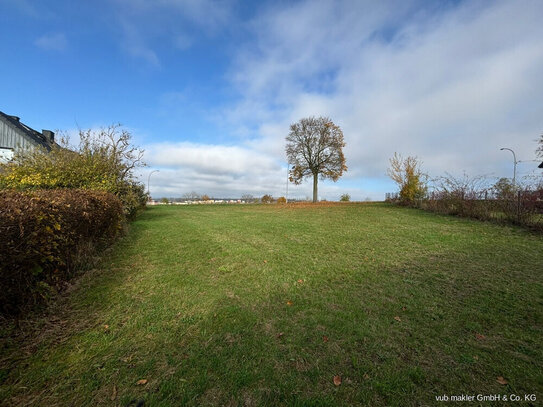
(46, 234)
(104, 160)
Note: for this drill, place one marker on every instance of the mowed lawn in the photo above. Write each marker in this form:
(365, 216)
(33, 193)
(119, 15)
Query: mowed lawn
(266, 304)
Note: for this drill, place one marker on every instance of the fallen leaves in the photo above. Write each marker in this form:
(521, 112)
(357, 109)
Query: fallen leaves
(398, 319)
(113, 393)
(300, 281)
(141, 382)
(337, 380)
(366, 376)
(480, 337)
(324, 338)
(289, 303)
(501, 380)
(280, 335)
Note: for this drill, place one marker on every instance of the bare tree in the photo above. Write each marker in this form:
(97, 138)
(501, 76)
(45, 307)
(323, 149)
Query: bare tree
(248, 198)
(190, 196)
(315, 147)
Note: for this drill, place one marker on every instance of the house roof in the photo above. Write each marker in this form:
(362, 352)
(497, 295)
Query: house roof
(540, 165)
(35, 136)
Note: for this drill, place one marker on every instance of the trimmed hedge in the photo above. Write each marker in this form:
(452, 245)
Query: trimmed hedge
(45, 235)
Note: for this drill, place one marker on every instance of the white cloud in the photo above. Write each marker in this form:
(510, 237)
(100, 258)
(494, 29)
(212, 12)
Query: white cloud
(226, 172)
(147, 25)
(52, 42)
(217, 170)
(135, 45)
(451, 86)
(211, 159)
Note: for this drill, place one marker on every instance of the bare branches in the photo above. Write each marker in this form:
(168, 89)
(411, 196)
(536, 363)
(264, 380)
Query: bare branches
(114, 144)
(464, 187)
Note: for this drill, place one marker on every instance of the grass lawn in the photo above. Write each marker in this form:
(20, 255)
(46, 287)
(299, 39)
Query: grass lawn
(264, 305)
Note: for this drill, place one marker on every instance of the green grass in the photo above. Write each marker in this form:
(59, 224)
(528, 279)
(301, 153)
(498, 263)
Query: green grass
(229, 305)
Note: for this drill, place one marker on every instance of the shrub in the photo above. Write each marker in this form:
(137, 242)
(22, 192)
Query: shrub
(345, 198)
(266, 199)
(504, 189)
(407, 173)
(46, 234)
(476, 198)
(104, 160)
(281, 200)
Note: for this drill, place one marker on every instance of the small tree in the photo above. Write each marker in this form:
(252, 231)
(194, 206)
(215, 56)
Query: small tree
(281, 200)
(266, 199)
(165, 201)
(504, 189)
(190, 196)
(345, 198)
(205, 198)
(406, 172)
(248, 198)
(315, 147)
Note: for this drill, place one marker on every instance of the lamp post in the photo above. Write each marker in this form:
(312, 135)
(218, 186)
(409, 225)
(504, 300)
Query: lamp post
(515, 162)
(148, 181)
(286, 197)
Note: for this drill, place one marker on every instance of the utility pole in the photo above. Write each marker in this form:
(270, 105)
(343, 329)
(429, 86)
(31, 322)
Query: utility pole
(149, 180)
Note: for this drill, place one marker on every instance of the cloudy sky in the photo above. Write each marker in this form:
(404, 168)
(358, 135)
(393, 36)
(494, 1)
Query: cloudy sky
(209, 88)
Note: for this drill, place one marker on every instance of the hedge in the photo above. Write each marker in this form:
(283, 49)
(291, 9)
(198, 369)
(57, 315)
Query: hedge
(45, 235)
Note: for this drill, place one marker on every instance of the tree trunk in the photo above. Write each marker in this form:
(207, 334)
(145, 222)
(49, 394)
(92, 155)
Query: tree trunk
(315, 180)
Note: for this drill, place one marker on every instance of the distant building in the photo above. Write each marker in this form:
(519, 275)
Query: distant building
(15, 135)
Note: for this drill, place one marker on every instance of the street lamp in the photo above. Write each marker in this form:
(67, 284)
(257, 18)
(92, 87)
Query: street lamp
(514, 164)
(286, 197)
(148, 180)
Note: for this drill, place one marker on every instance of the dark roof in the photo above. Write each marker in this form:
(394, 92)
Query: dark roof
(37, 137)
(540, 165)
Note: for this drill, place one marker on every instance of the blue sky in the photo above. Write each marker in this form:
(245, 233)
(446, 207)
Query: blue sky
(209, 88)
